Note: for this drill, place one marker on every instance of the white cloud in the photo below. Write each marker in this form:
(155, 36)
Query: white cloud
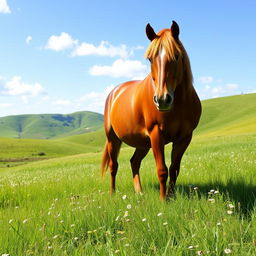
(232, 86)
(46, 98)
(5, 105)
(103, 49)
(62, 102)
(95, 101)
(16, 87)
(59, 43)
(219, 90)
(206, 79)
(28, 39)
(65, 41)
(4, 8)
(121, 68)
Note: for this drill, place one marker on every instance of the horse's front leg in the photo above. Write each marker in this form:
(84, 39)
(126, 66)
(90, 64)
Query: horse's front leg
(157, 144)
(178, 149)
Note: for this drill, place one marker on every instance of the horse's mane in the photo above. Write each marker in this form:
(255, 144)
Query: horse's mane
(173, 48)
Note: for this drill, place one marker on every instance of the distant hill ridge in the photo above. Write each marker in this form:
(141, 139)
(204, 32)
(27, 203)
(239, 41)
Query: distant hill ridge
(47, 126)
(220, 116)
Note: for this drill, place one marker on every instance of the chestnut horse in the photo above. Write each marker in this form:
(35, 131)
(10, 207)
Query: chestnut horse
(162, 108)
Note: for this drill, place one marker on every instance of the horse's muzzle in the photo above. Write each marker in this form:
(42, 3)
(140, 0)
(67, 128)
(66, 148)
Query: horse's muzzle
(164, 102)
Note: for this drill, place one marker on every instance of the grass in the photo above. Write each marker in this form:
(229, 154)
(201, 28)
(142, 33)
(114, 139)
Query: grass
(20, 151)
(61, 206)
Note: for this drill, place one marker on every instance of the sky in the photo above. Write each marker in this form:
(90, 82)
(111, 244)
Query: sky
(64, 56)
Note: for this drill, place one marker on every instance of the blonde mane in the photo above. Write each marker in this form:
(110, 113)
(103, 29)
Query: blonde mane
(166, 41)
(172, 48)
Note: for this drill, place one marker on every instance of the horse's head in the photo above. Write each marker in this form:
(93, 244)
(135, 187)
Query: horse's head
(165, 55)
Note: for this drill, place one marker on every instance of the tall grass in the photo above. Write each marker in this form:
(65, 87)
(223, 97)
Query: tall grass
(62, 207)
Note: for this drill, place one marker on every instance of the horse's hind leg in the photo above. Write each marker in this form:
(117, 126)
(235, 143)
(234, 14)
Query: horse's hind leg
(136, 159)
(114, 145)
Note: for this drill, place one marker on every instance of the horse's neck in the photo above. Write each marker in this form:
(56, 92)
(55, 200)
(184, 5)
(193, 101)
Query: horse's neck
(183, 92)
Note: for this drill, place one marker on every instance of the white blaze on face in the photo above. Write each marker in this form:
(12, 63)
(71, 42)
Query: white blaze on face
(162, 55)
(161, 69)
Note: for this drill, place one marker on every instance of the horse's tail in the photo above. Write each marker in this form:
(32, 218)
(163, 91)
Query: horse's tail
(105, 160)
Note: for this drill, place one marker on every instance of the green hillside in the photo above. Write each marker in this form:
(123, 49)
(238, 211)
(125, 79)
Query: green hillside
(222, 116)
(228, 116)
(45, 126)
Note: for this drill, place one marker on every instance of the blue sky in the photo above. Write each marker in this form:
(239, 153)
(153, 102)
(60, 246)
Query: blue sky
(65, 56)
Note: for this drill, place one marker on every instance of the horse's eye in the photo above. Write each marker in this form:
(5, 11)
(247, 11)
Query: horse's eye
(150, 60)
(176, 57)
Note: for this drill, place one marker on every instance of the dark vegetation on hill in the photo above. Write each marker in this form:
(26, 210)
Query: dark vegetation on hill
(47, 126)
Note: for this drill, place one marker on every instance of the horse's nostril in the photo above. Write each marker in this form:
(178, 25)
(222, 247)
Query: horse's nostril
(155, 99)
(168, 99)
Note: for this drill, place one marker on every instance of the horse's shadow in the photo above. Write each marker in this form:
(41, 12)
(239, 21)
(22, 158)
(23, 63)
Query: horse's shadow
(239, 192)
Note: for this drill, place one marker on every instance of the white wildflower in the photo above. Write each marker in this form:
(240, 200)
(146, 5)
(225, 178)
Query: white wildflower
(126, 214)
(229, 212)
(129, 206)
(212, 200)
(231, 206)
(159, 214)
(124, 197)
(144, 219)
(227, 251)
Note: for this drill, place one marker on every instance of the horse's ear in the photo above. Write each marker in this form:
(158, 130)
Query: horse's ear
(150, 33)
(175, 30)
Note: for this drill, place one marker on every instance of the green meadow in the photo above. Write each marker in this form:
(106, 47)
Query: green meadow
(54, 202)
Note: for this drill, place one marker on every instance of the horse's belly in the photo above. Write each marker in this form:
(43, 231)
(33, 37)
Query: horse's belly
(137, 141)
(133, 135)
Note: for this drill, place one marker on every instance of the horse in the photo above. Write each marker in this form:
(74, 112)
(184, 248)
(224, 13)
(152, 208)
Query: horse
(162, 108)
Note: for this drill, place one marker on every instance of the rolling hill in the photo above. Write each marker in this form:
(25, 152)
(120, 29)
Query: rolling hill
(233, 116)
(228, 116)
(220, 116)
(46, 126)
